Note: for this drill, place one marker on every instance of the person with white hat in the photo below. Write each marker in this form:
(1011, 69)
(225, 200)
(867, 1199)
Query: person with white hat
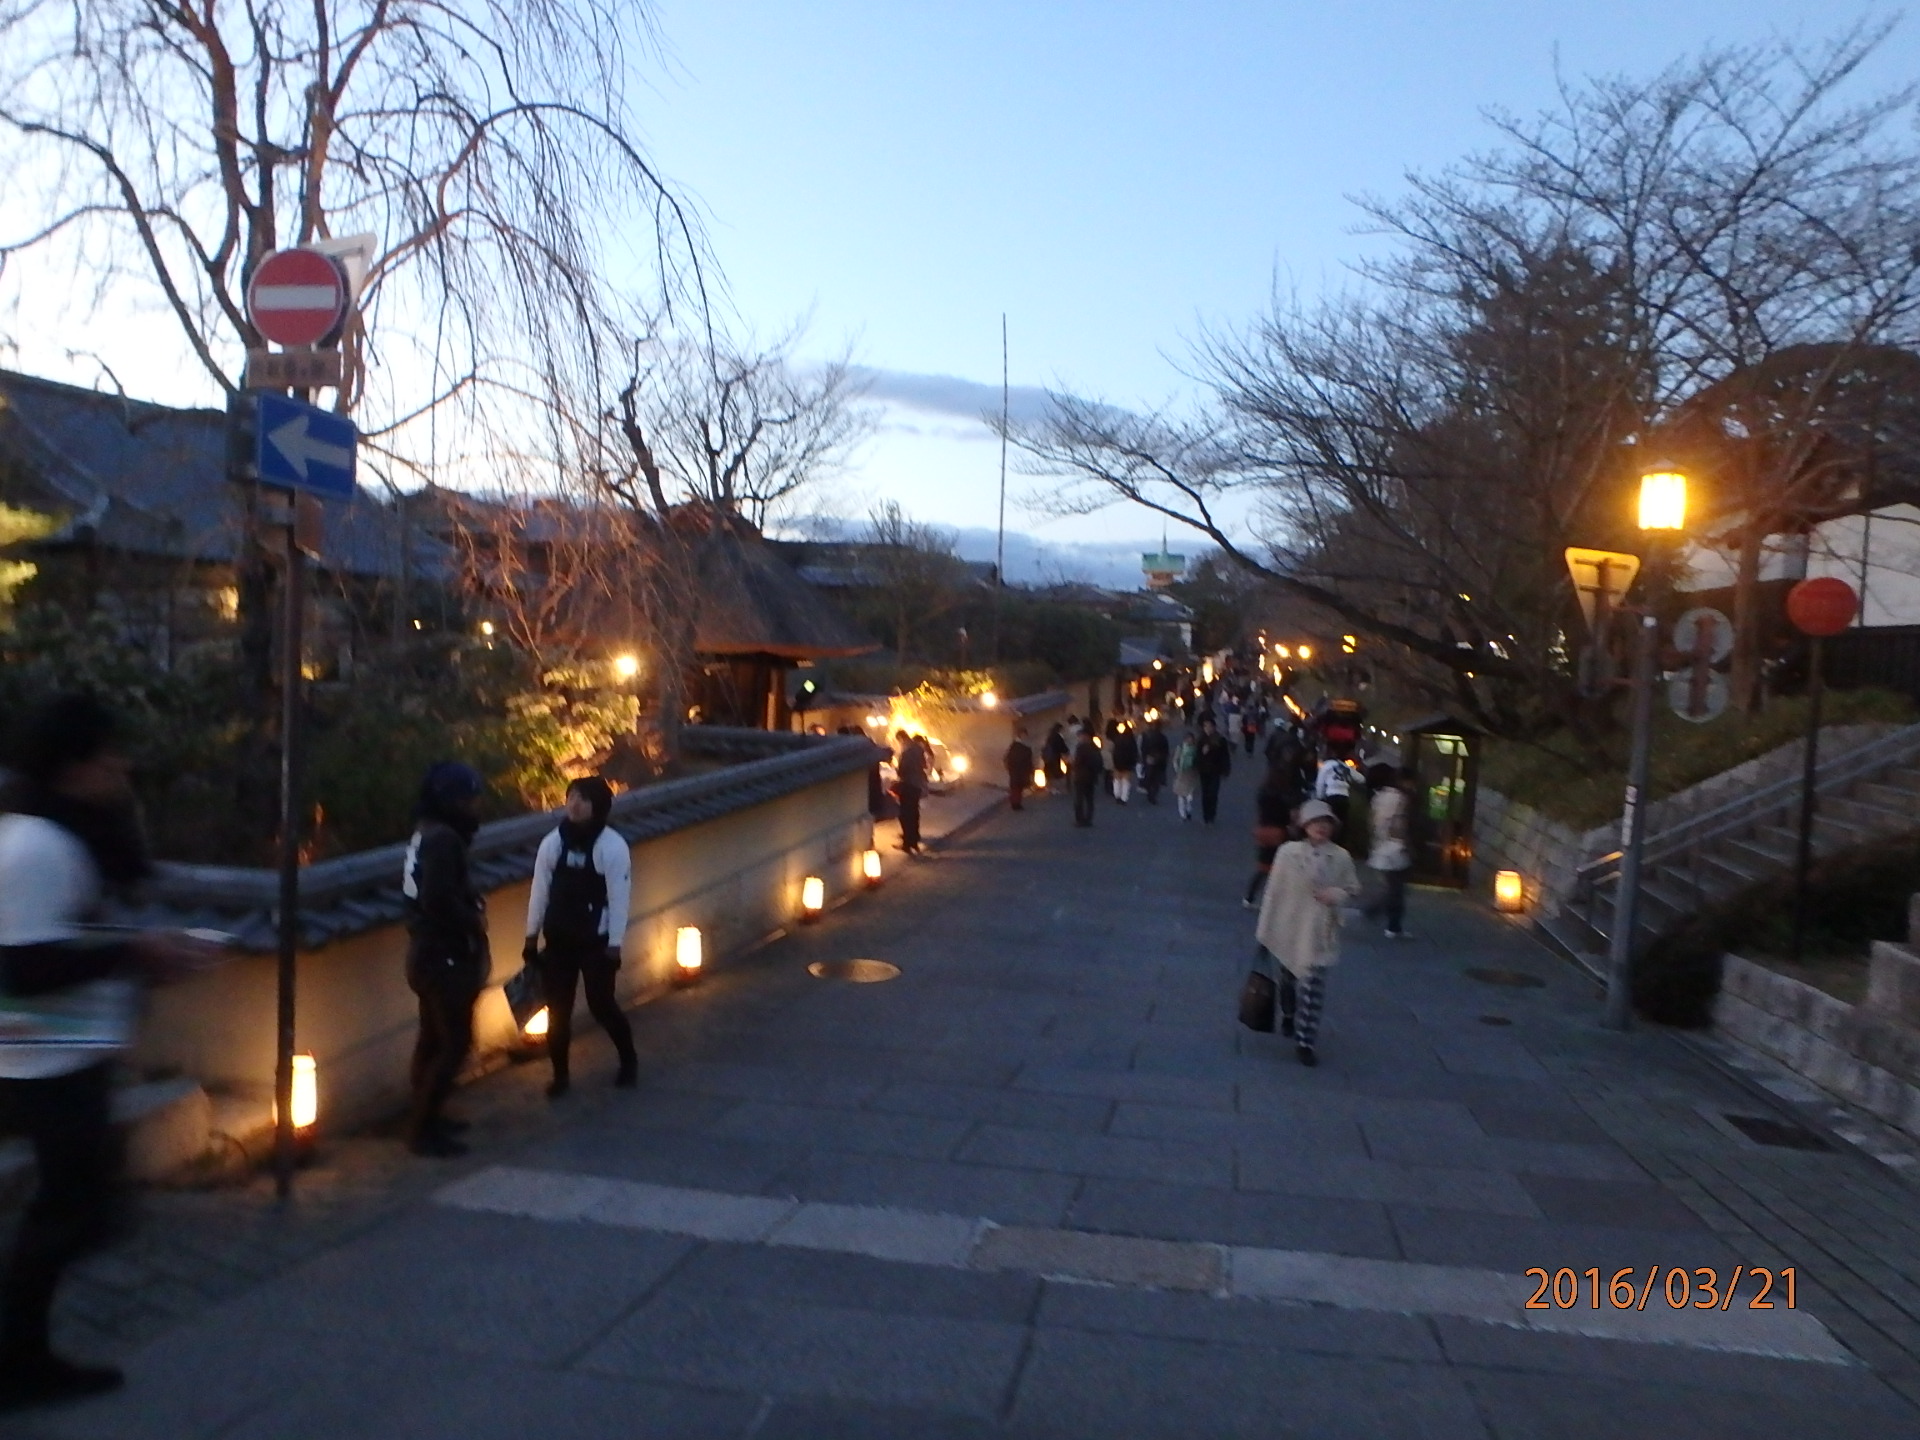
(1299, 924)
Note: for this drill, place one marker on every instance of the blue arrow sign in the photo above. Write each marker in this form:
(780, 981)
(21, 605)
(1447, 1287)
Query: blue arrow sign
(302, 447)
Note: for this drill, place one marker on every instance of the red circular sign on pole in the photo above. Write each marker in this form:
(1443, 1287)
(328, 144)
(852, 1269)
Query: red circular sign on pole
(1822, 607)
(297, 297)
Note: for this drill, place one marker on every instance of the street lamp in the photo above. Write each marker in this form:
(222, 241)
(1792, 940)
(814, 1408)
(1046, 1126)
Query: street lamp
(1663, 512)
(626, 666)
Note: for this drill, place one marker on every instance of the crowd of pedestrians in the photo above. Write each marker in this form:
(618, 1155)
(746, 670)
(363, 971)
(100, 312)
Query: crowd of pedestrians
(1319, 811)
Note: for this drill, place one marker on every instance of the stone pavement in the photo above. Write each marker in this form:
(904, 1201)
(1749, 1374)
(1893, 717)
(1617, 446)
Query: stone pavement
(1042, 1185)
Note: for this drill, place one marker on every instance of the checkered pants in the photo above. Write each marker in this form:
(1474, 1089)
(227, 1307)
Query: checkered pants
(1300, 1000)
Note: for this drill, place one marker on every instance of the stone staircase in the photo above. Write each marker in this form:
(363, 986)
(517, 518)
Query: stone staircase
(1868, 792)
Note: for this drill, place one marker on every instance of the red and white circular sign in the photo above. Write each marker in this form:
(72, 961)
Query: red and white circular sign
(1825, 606)
(297, 297)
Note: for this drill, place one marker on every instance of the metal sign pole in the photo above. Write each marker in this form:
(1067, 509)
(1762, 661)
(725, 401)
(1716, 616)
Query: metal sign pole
(1626, 902)
(292, 637)
(1803, 854)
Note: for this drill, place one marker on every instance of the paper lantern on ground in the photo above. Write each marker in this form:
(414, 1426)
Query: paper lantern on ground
(1509, 892)
(537, 1025)
(306, 1092)
(813, 897)
(687, 951)
(1039, 778)
(870, 867)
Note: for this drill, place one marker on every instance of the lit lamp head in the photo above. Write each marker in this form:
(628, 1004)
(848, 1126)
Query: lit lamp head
(960, 764)
(870, 868)
(1509, 892)
(1306, 652)
(813, 898)
(626, 666)
(989, 700)
(688, 953)
(1663, 498)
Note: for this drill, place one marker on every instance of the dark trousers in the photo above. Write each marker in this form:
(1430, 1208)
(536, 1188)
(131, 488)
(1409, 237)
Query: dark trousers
(909, 818)
(1016, 792)
(1209, 797)
(559, 971)
(440, 1049)
(1155, 777)
(76, 1209)
(1262, 867)
(1392, 904)
(1083, 793)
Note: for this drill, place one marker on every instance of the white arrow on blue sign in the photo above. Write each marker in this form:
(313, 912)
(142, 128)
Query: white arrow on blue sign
(302, 447)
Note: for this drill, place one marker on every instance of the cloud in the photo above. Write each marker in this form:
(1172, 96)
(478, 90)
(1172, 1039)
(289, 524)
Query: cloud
(950, 395)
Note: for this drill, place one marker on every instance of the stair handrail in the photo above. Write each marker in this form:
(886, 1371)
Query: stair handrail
(1742, 811)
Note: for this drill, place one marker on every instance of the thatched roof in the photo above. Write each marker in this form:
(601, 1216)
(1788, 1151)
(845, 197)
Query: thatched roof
(753, 603)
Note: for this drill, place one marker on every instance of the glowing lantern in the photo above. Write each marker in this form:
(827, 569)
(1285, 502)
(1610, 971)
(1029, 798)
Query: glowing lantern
(1663, 499)
(687, 952)
(960, 764)
(870, 867)
(1306, 652)
(626, 666)
(306, 1092)
(813, 897)
(1509, 892)
(1039, 778)
(537, 1023)
(989, 699)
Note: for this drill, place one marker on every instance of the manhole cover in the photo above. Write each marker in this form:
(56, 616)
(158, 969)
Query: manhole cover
(1518, 979)
(1777, 1133)
(860, 972)
(1495, 1020)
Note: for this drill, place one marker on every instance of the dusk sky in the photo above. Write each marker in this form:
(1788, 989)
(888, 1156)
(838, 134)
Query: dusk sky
(1113, 175)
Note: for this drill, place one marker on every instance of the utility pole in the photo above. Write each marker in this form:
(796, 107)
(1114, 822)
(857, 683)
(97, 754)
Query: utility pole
(1000, 542)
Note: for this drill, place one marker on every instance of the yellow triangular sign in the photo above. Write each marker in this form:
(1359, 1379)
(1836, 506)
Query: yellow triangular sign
(1597, 573)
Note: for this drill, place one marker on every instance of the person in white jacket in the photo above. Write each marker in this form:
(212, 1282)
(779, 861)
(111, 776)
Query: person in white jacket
(582, 883)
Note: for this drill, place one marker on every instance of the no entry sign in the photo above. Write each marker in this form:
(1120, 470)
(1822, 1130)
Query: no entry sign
(1822, 607)
(297, 297)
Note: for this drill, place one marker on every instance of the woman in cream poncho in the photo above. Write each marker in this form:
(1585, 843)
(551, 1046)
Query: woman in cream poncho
(1299, 921)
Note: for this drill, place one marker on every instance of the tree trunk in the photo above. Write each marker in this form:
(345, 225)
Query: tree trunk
(1743, 678)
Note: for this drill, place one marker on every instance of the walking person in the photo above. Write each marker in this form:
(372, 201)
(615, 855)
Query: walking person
(448, 959)
(582, 885)
(1250, 726)
(1333, 783)
(1087, 770)
(1126, 759)
(1274, 802)
(1054, 754)
(1019, 768)
(1214, 760)
(1186, 774)
(1155, 754)
(1299, 924)
(1388, 816)
(71, 837)
(910, 785)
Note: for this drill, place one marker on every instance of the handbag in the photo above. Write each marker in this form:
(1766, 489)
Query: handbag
(524, 993)
(1257, 998)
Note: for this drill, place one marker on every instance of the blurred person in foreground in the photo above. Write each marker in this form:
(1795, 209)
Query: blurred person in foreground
(70, 990)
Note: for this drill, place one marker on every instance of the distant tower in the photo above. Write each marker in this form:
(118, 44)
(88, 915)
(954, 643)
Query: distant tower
(1162, 569)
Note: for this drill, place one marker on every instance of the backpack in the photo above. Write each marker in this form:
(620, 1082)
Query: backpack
(576, 898)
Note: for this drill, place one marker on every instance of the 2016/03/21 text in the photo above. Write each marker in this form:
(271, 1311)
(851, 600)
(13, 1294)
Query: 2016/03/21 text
(1700, 1288)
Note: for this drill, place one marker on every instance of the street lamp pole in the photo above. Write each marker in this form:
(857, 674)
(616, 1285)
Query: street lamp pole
(1663, 509)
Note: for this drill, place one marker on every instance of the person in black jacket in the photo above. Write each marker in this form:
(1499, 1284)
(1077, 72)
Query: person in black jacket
(72, 836)
(910, 784)
(1279, 795)
(1019, 768)
(1126, 759)
(1214, 762)
(448, 959)
(1087, 770)
(1155, 754)
(1054, 752)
